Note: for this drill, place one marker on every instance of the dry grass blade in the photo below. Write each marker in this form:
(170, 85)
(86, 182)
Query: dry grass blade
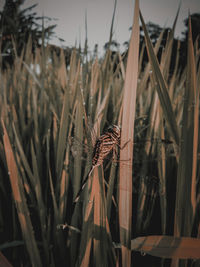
(162, 87)
(128, 118)
(168, 246)
(20, 201)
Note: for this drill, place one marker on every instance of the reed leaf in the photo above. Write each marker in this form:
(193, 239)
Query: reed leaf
(128, 118)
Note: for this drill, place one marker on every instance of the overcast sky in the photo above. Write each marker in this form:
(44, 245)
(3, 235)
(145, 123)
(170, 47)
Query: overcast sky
(71, 17)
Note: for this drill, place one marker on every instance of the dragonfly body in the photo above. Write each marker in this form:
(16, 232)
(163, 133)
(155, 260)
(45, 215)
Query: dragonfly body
(104, 145)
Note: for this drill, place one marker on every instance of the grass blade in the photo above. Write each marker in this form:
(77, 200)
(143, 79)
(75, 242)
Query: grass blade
(128, 118)
(162, 87)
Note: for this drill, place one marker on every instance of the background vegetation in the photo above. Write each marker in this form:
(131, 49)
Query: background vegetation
(52, 103)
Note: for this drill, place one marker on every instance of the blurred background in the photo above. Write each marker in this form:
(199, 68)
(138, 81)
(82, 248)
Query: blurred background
(71, 16)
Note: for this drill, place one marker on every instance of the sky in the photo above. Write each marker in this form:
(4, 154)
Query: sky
(70, 15)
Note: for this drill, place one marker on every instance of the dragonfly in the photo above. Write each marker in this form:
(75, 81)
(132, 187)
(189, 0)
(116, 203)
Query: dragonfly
(107, 143)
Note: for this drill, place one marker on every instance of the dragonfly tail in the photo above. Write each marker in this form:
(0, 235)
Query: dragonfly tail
(83, 185)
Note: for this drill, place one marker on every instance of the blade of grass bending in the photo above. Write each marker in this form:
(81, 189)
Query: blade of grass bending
(128, 118)
(168, 246)
(20, 201)
(162, 87)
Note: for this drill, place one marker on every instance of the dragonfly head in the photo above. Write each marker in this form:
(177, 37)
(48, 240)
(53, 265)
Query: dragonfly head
(115, 129)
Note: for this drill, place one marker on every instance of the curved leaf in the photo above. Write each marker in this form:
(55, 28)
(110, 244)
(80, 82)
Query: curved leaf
(168, 246)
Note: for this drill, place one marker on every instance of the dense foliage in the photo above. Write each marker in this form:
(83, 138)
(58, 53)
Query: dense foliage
(50, 111)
